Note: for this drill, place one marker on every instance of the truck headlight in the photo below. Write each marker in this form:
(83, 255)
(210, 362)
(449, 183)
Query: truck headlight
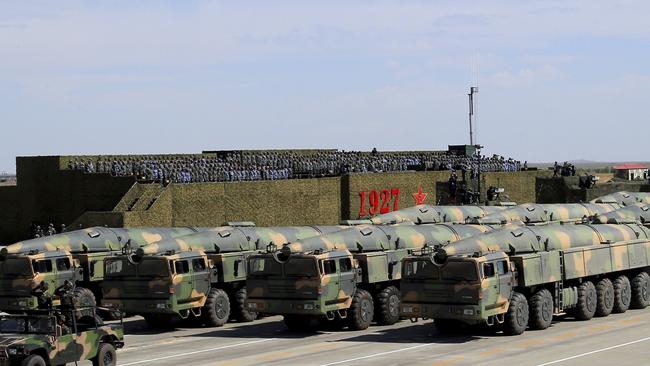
(468, 312)
(12, 351)
(161, 306)
(252, 305)
(407, 309)
(309, 307)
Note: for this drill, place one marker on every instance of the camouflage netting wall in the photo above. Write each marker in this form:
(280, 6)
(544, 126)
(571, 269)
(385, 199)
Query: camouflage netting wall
(566, 189)
(46, 193)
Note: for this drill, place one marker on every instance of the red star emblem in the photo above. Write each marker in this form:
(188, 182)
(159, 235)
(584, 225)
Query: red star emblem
(419, 196)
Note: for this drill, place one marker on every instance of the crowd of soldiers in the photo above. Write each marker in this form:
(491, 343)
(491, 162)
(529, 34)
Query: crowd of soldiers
(38, 231)
(276, 165)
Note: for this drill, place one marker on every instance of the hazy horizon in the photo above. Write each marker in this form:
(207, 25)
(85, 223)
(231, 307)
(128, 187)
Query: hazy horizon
(558, 80)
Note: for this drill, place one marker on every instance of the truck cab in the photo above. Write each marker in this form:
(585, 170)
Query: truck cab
(317, 283)
(168, 284)
(472, 289)
(22, 275)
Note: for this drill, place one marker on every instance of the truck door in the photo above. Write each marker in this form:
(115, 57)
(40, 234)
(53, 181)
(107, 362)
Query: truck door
(200, 278)
(330, 281)
(491, 288)
(347, 279)
(505, 278)
(182, 281)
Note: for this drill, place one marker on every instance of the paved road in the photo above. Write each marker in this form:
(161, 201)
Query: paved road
(622, 339)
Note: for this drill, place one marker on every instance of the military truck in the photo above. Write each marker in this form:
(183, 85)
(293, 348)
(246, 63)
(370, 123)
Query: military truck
(638, 212)
(429, 214)
(519, 277)
(199, 277)
(56, 337)
(536, 212)
(30, 268)
(346, 278)
(624, 198)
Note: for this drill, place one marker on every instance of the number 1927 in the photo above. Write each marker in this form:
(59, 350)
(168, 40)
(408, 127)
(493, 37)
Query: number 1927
(374, 202)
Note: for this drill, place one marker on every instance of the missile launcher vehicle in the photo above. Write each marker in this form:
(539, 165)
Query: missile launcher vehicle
(519, 277)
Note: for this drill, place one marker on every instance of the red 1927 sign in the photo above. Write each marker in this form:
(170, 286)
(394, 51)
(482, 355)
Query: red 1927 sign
(378, 202)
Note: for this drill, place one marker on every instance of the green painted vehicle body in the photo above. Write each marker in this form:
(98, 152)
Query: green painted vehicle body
(429, 214)
(76, 256)
(535, 212)
(474, 280)
(39, 334)
(363, 257)
(624, 198)
(175, 276)
(635, 213)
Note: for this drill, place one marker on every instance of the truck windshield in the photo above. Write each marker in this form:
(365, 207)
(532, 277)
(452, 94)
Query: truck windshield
(155, 267)
(265, 266)
(421, 268)
(301, 267)
(460, 271)
(16, 267)
(119, 268)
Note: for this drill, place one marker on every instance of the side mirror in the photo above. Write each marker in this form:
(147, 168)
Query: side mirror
(58, 332)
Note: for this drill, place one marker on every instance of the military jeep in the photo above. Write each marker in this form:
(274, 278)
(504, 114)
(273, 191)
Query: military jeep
(56, 337)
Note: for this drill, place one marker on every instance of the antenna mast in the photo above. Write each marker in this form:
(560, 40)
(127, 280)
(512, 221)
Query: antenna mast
(472, 90)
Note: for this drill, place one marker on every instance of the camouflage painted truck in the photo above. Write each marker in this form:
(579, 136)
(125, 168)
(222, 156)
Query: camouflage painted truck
(429, 214)
(33, 268)
(199, 277)
(346, 278)
(638, 212)
(536, 212)
(40, 338)
(519, 277)
(624, 198)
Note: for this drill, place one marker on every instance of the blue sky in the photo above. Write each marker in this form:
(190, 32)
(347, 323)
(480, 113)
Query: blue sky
(558, 79)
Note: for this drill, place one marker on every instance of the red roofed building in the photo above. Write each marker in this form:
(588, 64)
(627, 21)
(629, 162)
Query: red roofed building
(631, 171)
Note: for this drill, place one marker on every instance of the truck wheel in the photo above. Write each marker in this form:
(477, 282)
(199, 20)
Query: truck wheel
(605, 295)
(83, 297)
(388, 310)
(587, 300)
(640, 291)
(622, 294)
(216, 310)
(541, 310)
(298, 323)
(448, 326)
(361, 311)
(106, 355)
(242, 314)
(33, 360)
(516, 318)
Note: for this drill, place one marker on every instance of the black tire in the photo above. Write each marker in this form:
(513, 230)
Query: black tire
(33, 360)
(106, 355)
(640, 291)
(298, 323)
(448, 326)
(241, 313)
(622, 294)
(84, 298)
(587, 301)
(388, 306)
(605, 296)
(361, 311)
(516, 319)
(541, 310)
(159, 321)
(216, 310)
